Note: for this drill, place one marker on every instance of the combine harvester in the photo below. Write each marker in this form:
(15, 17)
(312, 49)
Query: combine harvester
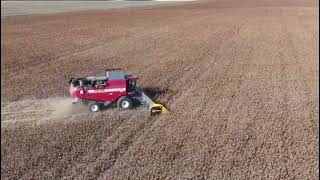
(109, 88)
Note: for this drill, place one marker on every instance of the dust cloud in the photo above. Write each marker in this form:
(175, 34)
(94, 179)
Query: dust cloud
(62, 107)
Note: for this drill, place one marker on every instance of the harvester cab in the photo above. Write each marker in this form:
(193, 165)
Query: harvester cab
(111, 87)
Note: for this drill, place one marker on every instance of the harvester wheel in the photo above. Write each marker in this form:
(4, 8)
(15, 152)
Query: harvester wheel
(124, 103)
(94, 107)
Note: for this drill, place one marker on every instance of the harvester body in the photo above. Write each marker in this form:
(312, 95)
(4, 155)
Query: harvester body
(111, 87)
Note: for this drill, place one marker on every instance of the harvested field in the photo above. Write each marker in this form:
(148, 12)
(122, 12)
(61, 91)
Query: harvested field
(241, 81)
(13, 8)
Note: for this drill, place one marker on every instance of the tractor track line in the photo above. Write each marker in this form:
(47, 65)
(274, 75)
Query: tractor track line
(117, 152)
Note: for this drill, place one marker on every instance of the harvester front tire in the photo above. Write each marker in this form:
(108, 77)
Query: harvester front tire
(94, 107)
(124, 103)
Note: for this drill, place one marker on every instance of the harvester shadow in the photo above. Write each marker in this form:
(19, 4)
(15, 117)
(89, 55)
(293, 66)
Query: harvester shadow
(113, 106)
(159, 95)
(155, 92)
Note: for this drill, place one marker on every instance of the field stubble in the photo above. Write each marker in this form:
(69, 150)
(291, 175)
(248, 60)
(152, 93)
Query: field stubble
(241, 84)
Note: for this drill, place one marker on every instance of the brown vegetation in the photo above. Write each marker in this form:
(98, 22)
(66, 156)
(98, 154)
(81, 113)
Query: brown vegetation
(241, 81)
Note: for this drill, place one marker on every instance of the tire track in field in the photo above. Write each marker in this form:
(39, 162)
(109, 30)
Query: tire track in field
(112, 148)
(283, 65)
(246, 110)
(298, 108)
(70, 59)
(207, 72)
(107, 42)
(219, 66)
(39, 113)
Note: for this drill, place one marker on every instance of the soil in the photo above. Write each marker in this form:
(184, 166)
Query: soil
(240, 79)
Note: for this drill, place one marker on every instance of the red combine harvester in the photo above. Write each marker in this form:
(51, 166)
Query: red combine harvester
(109, 88)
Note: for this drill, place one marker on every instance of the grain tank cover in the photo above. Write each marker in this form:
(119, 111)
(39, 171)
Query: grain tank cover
(115, 75)
(97, 77)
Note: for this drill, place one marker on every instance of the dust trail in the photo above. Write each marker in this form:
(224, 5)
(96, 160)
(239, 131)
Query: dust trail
(63, 107)
(40, 110)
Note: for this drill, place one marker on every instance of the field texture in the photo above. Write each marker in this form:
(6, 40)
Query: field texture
(13, 8)
(240, 78)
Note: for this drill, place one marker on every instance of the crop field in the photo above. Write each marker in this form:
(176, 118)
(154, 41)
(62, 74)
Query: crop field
(13, 8)
(240, 79)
